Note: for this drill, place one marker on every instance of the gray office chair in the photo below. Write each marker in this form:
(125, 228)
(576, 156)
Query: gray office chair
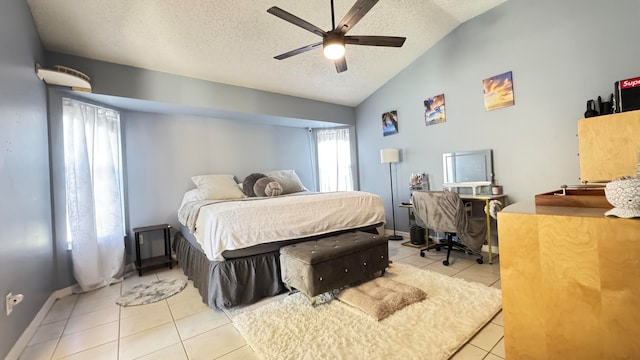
(444, 211)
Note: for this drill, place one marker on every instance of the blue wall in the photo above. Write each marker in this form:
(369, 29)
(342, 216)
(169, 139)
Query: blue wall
(561, 53)
(163, 152)
(26, 244)
(155, 91)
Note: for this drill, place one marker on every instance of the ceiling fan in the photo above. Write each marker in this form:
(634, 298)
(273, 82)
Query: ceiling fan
(333, 41)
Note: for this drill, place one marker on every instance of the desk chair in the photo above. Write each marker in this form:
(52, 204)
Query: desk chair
(444, 211)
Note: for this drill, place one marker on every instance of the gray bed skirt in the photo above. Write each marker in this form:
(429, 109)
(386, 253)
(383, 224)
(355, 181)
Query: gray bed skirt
(233, 282)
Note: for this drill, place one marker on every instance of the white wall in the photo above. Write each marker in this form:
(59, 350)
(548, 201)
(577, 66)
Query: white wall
(561, 53)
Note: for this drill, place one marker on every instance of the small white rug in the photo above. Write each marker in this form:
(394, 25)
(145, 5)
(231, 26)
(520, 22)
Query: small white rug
(453, 312)
(149, 293)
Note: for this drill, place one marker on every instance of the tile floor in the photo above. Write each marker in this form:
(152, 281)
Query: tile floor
(92, 326)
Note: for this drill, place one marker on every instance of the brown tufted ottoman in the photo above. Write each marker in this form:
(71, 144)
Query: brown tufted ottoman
(318, 266)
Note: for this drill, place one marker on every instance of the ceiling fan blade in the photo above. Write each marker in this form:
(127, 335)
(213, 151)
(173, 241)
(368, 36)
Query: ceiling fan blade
(297, 51)
(341, 64)
(295, 20)
(392, 41)
(359, 9)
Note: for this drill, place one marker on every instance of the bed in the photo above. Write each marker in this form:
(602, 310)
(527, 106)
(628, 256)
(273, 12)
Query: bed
(229, 243)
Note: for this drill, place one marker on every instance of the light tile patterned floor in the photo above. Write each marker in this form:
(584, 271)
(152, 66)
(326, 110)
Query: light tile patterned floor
(92, 326)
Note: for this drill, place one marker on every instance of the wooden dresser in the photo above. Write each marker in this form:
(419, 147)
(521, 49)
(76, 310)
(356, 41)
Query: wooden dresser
(570, 283)
(571, 276)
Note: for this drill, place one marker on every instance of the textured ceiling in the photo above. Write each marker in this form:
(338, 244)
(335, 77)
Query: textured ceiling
(234, 42)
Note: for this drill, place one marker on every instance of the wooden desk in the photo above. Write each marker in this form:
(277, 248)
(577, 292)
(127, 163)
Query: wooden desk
(486, 199)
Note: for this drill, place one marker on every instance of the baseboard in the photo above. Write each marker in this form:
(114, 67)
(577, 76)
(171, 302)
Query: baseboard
(28, 333)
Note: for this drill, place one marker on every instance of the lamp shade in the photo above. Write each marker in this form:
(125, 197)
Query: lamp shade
(389, 155)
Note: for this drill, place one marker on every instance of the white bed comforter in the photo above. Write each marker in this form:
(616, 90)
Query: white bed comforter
(230, 225)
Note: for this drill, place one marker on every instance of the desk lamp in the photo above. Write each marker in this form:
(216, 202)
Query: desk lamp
(390, 156)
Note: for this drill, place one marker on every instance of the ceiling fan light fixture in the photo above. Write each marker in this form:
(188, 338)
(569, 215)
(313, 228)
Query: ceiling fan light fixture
(333, 47)
(333, 41)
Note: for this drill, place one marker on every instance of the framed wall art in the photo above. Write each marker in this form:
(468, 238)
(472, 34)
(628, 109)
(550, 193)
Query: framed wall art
(390, 123)
(434, 110)
(498, 91)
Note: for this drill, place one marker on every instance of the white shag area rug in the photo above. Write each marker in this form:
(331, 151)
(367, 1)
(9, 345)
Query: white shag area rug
(149, 293)
(453, 312)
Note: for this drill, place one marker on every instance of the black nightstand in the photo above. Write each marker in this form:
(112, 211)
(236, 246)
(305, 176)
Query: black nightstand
(156, 260)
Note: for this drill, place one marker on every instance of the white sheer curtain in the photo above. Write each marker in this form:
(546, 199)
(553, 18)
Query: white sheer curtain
(334, 160)
(93, 175)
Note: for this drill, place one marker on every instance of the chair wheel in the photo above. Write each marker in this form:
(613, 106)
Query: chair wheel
(479, 261)
(445, 263)
(421, 254)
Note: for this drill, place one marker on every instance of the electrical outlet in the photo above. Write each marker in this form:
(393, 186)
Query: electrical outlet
(13, 300)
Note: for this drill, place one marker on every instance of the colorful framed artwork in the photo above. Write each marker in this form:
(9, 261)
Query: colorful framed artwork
(498, 91)
(390, 123)
(434, 110)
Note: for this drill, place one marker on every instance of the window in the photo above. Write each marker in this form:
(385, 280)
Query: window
(94, 193)
(93, 170)
(334, 160)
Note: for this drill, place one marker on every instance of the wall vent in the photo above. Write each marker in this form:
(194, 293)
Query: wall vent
(64, 76)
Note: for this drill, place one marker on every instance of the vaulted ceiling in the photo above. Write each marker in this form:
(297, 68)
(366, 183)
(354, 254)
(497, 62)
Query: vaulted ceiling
(234, 41)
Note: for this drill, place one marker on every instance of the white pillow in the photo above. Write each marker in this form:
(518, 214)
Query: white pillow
(194, 195)
(288, 179)
(218, 186)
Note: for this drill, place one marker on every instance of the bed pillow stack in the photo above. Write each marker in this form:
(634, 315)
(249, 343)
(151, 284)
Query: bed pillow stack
(224, 186)
(216, 187)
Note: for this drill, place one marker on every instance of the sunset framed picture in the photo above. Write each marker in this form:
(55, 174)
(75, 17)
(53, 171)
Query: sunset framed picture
(498, 91)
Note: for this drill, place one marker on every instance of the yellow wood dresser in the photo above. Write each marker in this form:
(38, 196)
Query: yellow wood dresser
(570, 283)
(609, 146)
(570, 276)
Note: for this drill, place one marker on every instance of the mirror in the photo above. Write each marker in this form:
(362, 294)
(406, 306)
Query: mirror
(468, 166)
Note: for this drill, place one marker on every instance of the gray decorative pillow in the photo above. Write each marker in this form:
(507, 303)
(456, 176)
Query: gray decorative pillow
(249, 182)
(288, 179)
(267, 186)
